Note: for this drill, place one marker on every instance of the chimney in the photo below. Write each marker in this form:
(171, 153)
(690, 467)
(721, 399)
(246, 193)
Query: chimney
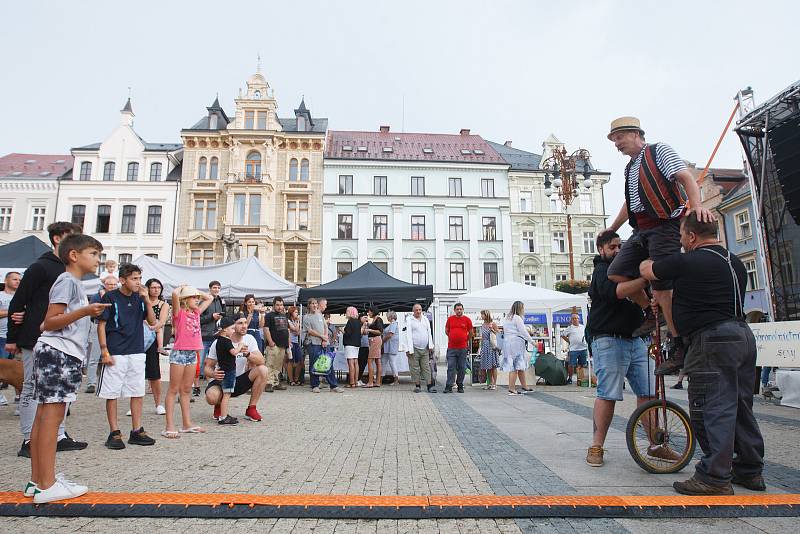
(507, 143)
(384, 129)
(464, 131)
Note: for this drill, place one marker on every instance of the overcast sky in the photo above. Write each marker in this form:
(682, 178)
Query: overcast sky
(509, 70)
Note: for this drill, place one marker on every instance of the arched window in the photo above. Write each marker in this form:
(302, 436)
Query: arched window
(293, 170)
(133, 171)
(253, 165)
(155, 172)
(304, 170)
(108, 171)
(201, 169)
(86, 171)
(214, 171)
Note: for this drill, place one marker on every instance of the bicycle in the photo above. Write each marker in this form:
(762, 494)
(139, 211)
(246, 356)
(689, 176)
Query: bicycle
(659, 434)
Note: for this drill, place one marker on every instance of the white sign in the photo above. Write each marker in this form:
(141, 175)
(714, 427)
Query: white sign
(778, 344)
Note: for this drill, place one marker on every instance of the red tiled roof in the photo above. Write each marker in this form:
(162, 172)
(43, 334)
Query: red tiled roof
(35, 165)
(409, 147)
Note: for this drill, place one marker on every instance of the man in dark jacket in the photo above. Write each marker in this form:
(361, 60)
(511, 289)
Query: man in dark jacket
(208, 323)
(32, 298)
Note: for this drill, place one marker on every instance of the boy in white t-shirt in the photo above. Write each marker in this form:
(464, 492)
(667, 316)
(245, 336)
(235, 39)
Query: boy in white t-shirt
(111, 270)
(58, 358)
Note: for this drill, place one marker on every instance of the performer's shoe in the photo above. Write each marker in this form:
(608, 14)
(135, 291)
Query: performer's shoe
(675, 361)
(696, 487)
(755, 483)
(649, 324)
(662, 452)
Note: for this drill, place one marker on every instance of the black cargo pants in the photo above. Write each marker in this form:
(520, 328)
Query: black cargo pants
(721, 365)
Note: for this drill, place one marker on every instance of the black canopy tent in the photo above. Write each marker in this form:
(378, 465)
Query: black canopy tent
(21, 253)
(369, 286)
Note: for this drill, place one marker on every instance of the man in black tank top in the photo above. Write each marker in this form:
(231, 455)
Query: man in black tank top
(709, 285)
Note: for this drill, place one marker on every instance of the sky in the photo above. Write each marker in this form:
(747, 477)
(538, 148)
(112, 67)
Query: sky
(507, 69)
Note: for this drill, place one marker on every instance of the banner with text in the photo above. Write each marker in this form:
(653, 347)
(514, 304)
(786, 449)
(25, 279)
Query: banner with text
(778, 343)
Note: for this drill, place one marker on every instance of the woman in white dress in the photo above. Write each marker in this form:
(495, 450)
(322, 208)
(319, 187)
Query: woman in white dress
(515, 354)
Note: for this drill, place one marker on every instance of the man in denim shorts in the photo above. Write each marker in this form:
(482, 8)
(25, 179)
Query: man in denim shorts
(657, 187)
(616, 353)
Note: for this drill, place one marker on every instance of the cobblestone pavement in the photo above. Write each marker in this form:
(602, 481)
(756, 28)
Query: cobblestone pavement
(386, 441)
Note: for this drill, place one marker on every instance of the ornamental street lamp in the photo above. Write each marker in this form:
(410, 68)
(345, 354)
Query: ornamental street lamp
(564, 170)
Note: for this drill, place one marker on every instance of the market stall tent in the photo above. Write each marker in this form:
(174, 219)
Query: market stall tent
(370, 286)
(248, 276)
(19, 255)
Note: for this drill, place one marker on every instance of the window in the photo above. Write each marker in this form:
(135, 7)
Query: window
(155, 172)
(297, 215)
(487, 188)
(345, 184)
(78, 215)
(86, 171)
(108, 171)
(125, 258)
(128, 220)
(454, 187)
(262, 120)
(388, 149)
(201, 169)
(304, 170)
(588, 242)
(153, 219)
(457, 276)
(529, 279)
(561, 277)
(586, 203)
(205, 214)
(254, 214)
(526, 201)
(202, 256)
(418, 272)
(787, 264)
(489, 274)
(528, 241)
(362, 149)
(427, 150)
(466, 152)
(239, 208)
(417, 186)
(252, 167)
(101, 267)
(379, 186)
(555, 204)
(343, 268)
(5, 218)
(380, 227)
(213, 173)
(752, 274)
(154, 256)
(103, 219)
(295, 263)
(249, 119)
(382, 265)
(38, 217)
(133, 171)
(417, 227)
(345, 227)
(743, 230)
(489, 229)
(559, 243)
(293, 170)
(457, 228)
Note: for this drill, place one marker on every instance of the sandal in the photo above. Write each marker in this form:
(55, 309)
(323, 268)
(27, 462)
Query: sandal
(193, 430)
(513, 393)
(170, 434)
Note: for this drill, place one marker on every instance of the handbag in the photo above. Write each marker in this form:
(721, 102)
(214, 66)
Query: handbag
(149, 337)
(493, 340)
(323, 364)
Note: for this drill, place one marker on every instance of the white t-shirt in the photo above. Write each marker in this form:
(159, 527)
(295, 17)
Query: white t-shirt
(241, 360)
(5, 301)
(420, 331)
(575, 336)
(73, 339)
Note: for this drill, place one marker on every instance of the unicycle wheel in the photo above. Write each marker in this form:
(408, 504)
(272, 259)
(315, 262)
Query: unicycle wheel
(660, 439)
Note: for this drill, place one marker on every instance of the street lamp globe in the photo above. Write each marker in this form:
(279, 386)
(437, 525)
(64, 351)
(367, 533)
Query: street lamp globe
(587, 183)
(557, 183)
(548, 191)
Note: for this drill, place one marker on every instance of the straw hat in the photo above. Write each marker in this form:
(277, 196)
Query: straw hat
(189, 291)
(625, 123)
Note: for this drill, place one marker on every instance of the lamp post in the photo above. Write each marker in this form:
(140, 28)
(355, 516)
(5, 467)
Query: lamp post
(564, 170)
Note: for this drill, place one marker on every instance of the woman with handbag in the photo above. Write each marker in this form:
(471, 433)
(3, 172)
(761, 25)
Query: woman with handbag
(515, 353)
(489, 351)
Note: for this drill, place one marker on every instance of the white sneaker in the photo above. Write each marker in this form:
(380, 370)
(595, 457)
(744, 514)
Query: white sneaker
(3, 400)
(30, 489)
(128, 413)
(160, 410)
(314, 390)
(360, 384)
(337, 390)
(61, 490)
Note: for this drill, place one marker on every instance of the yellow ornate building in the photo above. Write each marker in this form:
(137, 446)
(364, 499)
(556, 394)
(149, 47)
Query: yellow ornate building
(258, 177)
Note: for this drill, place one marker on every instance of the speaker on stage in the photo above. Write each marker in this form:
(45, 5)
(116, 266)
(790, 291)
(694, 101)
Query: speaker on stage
(784, 143)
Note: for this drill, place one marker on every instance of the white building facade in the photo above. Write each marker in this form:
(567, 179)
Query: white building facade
(29, 193)
(426, 208)
(124, 191)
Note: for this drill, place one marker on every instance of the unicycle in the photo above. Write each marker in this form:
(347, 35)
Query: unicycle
(659, 433)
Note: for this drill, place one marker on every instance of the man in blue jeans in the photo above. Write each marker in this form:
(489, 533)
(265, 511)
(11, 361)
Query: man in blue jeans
(315, 339)
(616, 353)
(459, 338)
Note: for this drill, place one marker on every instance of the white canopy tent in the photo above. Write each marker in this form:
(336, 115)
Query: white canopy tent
(248, 276)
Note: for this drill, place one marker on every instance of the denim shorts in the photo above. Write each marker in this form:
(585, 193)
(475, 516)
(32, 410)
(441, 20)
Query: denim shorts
(183, 357)
(229, 381)
(578, 357)
(616, 359)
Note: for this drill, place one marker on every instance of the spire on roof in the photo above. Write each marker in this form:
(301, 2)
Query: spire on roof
(128, 108)
(303, 115)
(215, 105)
(302, 107)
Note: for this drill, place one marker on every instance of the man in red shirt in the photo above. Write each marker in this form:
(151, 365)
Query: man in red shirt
(459, 338)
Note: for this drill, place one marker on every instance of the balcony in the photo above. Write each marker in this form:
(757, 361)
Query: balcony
(244, 178)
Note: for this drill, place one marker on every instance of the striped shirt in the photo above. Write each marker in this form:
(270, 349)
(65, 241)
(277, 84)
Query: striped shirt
(667, 161)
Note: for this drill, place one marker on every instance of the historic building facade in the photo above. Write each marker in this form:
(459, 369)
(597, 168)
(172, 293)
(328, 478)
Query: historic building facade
(255, 179)
(29, 193)
(539, 231)
(123, 191)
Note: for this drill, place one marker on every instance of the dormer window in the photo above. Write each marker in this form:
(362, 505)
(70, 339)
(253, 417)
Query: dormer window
(362, 149)
(465, 152)
(478, 152)
(347, 148)
(388, 149)
(427, 150)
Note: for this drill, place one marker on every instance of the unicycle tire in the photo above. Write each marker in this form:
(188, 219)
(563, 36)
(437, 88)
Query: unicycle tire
(670, 447)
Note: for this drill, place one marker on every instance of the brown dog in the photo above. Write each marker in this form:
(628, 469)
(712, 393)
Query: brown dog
(11, 373)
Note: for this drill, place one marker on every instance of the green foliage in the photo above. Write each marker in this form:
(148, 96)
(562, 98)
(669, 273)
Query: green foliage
(573, 286)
